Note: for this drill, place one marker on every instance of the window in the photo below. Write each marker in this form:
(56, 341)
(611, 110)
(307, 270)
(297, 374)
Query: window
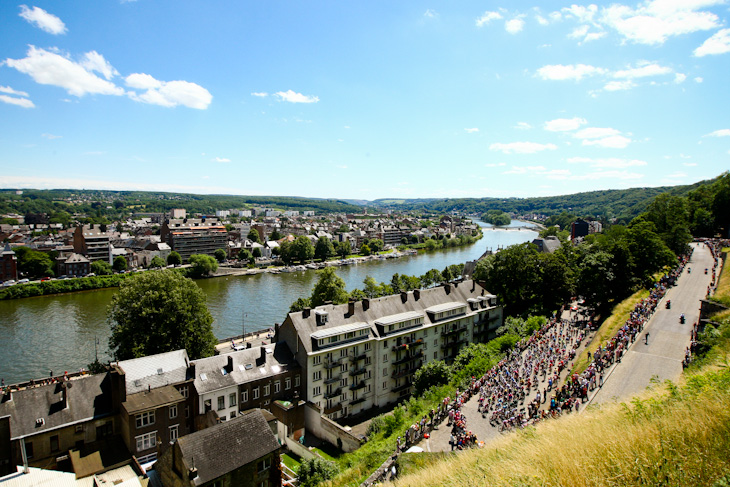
(385, 357)
(184, 391)
(297, 381)
(145, 419)
(146, 441)
(425, 346)
(244, 396)
(385, 371)
(385, 344)
(255, 392)
(287, 383)
(343, 382)
(367, 347)
(385, 385)
(367, 360)
(221, 402)
(187, 411)
(231, 399)
(54, 443)
(233, 414)
(316, 360)
(267, 389)
(173, 411)
(173, 433)
(263, 465)
(425, 333)
(435, 355)
(343, 368)
(343, 353)
(316, 391)
(317, 375)
(263, 483)
(277, 387)
(29, 450)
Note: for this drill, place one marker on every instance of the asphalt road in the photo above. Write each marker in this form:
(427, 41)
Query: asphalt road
(662, 358)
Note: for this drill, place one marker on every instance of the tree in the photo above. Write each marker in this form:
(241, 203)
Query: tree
(174, 258)
(300, 304)
(343, 249)
(202, 265)
(324, 249)
(33, 264)
(246, 256)
(256, 252)
(253, 235)
(119, 264)
(376, 245)
(329, 287)
(220, 255)
(302, 249)
(365, 249)
(157, 262)
(101, 268)
(434, 373)
(275, 235)
(315, 471)
(156, 312)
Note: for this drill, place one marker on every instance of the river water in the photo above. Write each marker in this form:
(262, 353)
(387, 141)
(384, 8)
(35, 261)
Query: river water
(57, 333)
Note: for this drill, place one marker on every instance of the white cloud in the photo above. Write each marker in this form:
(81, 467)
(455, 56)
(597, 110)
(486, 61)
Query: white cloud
(612, 162)
(341, 166)
(719, 43)
(50, 68)
(564, 124)
(293, 97)
(168, 93)
(93, 61)
(623, 175)
(514, 26)
(541, 171)
(430, 13)
(719, 133)
(488, 17)
(10, 91)
(593, 36)
(472, 130)
(575, 72)
(583, 14)
(51, 136)
(21, 102)
(680, 78)
(523, 126)
(42, 182)
(699, 79)
(43, 20)
(689, 164)
(595, 133)
(579, 32)
(654, 21)
(619, 85)
(220, 159)
(556, 16)
(541, 20)
(260, 94)
(613, 142)
(521, 147)
(643, 71)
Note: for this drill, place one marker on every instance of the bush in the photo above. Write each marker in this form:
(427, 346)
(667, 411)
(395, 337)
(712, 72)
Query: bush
(434, 373)
(315, 471)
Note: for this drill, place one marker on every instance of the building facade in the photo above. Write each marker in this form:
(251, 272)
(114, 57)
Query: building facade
(93, 242)
(194, 236)
(363, 354)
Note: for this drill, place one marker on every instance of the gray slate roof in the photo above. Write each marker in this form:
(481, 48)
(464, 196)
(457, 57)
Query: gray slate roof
(386, 306)
(155, 370)
(277, 359)
(88, 397)
(227, 446)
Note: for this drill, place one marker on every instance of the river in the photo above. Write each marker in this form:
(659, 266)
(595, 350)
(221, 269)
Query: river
(57, 333)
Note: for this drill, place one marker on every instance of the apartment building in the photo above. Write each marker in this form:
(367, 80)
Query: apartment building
(194, 236)
(363, 354)
(93, 242)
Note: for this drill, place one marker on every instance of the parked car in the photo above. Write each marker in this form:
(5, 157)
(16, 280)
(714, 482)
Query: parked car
(23, 281)
(45, 278)
(9, 283)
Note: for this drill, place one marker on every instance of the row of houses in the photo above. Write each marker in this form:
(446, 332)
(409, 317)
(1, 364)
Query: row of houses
(325, 364)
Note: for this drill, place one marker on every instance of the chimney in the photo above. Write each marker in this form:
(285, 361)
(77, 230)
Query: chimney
(192, 473)
(229, 367)
(248, 345)
(350, 308)
(473, 286)
(447, 288)
(403, 296)
(64, 395)
(263, 354)
(191, 370)
(417, 294)
(306, 312)
(365, 304)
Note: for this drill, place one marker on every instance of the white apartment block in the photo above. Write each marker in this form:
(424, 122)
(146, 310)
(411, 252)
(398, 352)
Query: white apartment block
(222, 213)
(363, 354)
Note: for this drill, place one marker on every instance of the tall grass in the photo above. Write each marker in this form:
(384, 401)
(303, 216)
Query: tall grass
(671, 436)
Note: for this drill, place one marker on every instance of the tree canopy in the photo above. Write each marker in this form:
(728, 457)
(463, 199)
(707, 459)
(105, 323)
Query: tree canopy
(156, 312)
(174, 258)
(202, 265)
(329, 287)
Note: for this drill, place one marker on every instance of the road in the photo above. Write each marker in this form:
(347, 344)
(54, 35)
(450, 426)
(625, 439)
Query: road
(662, 358)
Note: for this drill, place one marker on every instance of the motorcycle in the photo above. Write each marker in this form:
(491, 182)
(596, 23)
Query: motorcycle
(681, 319)
(669, 304)
(705, 270)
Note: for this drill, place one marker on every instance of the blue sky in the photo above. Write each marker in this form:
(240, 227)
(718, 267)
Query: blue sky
(363, 99)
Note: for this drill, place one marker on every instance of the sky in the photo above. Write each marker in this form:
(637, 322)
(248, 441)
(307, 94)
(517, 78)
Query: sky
(363, 100)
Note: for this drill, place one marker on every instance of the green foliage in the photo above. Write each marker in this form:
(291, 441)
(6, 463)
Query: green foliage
(61, 286)
(434, 373)
(365, 249)
(329, 287)
(302, 249)
(156, 312)
(34, 264)
(174, 258)
(120, 264)
(256, 252)
(496, 218)
(253, 235)
(376, 245)
(324, 249)
(300, 304)
(202, 265)
(220, 255)
(343, 249)
(474, 360)
(157, 262)
(276, 235)
(101, 268)
(246, 256)
(314, 471)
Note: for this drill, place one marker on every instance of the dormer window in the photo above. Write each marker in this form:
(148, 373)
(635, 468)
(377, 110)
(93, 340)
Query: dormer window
(321, 316)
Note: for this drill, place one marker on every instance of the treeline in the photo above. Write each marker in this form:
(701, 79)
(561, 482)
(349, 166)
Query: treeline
(496, 217)
(601, 205)
(116, 204)
(331, 288)
(44, 288)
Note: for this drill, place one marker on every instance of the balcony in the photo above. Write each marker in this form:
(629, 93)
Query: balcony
(402, 387)
(407, 345)
(332, 364)
(333, 409)
(334, 393)
(332, 380)
(405, 372)
(454, 342)
(357, 358)
(453, 331)
(408, 358)
(357, 386)
(360, 371)
(357, 401)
